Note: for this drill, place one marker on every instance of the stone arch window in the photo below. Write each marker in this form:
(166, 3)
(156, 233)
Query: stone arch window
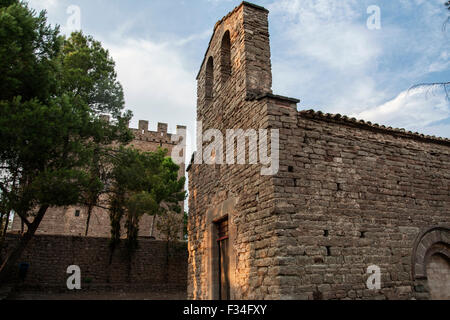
(431, 263)
(209, 79)
(225, 57)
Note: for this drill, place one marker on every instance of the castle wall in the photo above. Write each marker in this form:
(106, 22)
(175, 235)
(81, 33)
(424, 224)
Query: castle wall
(151, 268)
(64, 221)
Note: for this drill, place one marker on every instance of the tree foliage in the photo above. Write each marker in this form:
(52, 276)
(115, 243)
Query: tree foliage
(56, 149)
(171, 226)
(53, 92)
(89, 76)
(142, 183)
(28, 50)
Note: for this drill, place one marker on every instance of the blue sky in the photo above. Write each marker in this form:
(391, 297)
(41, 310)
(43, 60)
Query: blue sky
(322, 53)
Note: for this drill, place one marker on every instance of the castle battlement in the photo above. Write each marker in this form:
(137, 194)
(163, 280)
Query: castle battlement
(71, 221)
(160, 136)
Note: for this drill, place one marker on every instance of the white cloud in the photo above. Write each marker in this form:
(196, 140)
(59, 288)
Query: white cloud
(322, 53)
(334, 63)
(416, 109)
(155, 79)
(200, 36)
(326, 31)
(441, 64)
(159, 85)
(332, 55)
(43, 4)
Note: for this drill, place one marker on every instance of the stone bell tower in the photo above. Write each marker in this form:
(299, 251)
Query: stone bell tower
(230, 205)
(237, 63)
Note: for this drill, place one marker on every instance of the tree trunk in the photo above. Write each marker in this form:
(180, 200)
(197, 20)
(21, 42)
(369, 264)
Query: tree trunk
(1, 218)
(93, 197)
(3, 235)
(88, 219)
(166, 275)
(13, 257)
(153, 226)
(5, 229)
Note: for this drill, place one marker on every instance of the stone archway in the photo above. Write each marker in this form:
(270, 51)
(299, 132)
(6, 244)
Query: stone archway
(438, 274)
(431, 264)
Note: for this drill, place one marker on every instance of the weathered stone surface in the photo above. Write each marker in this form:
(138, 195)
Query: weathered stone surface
(348, 194)
(438, 271)
(65, 220)
(150, 268)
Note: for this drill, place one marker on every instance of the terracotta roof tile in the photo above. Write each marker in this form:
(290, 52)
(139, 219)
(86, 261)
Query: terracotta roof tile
(353, 121)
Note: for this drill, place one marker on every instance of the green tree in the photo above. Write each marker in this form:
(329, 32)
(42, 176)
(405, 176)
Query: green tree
(142, 183)
(5, 215)
(28, 50)
(88, 76)
(52, 137)
(171, 226)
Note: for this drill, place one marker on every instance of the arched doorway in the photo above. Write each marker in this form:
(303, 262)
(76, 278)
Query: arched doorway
(438, 274)
(431, 263)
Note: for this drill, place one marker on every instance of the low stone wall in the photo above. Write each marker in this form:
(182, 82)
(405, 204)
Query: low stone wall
(154, 266)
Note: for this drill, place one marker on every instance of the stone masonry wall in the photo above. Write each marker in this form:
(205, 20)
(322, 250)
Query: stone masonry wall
(213, 187)
(438, 271)
(150, 268)
(351, 195)
(63, 221)
(348, 194)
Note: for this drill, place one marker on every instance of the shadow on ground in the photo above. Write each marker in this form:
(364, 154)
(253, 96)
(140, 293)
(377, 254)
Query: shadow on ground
(117, 296)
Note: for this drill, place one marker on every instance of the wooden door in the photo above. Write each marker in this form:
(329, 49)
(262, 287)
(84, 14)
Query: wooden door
(224, 261)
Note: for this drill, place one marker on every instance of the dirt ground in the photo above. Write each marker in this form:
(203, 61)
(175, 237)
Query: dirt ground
(99, 296)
